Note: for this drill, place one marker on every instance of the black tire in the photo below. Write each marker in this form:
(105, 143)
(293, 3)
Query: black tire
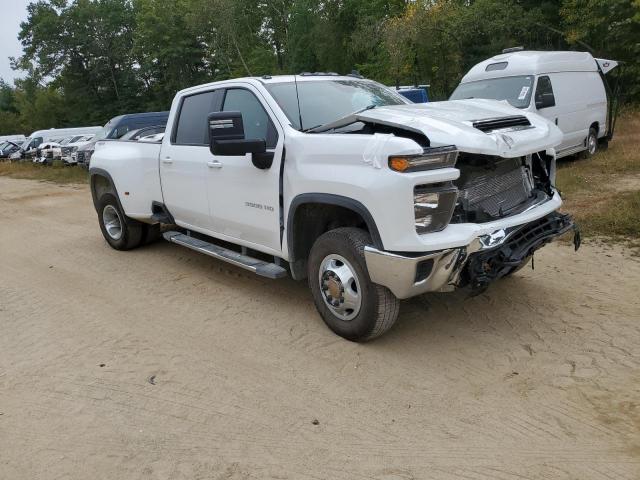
(378, 306)
(130, 230)
(592, 143)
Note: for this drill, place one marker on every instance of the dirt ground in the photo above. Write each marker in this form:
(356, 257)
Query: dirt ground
(161, 363)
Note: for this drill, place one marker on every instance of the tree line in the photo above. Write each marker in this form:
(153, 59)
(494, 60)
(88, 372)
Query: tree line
(85, 61)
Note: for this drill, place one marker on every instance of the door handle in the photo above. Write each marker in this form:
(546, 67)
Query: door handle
(214, 164)
(167, 160)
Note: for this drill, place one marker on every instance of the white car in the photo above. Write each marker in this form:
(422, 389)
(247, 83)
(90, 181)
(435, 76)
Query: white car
(567, 88)
(45, 151)
(67, 149)
(342, 182)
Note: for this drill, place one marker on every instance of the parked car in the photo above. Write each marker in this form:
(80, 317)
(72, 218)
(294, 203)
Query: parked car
(417, 94)
(45, 151)
(116, 128)
(28, 150)
(7, 148)
(341, 182)
(69, 146)
(144, 133)
(568, 88)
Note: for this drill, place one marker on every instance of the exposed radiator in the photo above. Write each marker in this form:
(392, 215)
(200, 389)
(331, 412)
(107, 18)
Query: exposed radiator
(494, 193)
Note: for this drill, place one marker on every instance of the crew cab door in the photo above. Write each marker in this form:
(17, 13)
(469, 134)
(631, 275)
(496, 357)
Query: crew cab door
(244, 199)
(183, 161)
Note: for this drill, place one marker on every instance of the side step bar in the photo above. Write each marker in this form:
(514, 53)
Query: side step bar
(259, 267)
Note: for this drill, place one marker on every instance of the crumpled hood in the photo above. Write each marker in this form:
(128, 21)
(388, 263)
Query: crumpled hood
(451, 123)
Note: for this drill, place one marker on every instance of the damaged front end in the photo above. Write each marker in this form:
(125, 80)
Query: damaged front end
(486, 259)
(503, 252)
(492, 187)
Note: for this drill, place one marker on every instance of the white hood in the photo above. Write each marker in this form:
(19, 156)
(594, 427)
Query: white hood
(451, 123)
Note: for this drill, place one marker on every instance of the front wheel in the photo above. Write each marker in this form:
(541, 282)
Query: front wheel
(350, 304)
(592, 143)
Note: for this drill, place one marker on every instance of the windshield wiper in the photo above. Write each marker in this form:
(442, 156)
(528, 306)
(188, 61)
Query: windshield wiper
(311, 128)
(370, 107)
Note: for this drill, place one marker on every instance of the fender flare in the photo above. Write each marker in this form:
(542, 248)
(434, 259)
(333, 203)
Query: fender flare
(331, 199)
(99, 172)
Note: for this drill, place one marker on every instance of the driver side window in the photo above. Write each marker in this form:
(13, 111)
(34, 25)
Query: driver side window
(257, 124)
(544, 93)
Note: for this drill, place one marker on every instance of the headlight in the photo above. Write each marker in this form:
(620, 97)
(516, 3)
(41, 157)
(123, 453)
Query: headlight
(433, 206)
(431, 158)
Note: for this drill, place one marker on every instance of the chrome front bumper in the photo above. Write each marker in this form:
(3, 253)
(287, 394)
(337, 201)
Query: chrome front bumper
(411, 274)
(398, 272)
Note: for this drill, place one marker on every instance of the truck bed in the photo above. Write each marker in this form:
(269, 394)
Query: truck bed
(134, 168)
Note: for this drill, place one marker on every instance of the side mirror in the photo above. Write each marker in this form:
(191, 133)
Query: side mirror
(226, 138)
(545, 100)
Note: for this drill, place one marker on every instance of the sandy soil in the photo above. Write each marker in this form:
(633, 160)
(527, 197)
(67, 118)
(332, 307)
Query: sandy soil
(161, 363)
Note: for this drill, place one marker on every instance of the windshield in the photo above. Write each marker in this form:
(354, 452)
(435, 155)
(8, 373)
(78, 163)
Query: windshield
(324, 101)
(515, 90)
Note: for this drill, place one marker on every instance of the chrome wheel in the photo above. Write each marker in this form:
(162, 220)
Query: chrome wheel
(592, 144)
(112, 222)
(340, 287)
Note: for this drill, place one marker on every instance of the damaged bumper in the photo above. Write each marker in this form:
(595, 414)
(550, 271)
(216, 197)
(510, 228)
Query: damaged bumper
(477, 265)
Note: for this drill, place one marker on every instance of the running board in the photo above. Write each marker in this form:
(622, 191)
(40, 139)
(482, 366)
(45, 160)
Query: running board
(571, 150)
(259, 267)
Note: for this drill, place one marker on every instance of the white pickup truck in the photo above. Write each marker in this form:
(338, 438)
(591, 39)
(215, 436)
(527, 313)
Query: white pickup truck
(341, 181)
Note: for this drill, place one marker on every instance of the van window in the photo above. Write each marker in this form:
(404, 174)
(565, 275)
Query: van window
(544, 93)
(496, 66)
(121, 130)
(192, 121)
(257, 124)
(516, 90)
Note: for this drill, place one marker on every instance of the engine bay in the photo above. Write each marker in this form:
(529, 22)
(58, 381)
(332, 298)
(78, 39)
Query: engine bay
(492, 187)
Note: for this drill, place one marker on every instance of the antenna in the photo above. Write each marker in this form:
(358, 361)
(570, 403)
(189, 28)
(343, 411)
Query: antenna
(295, 80)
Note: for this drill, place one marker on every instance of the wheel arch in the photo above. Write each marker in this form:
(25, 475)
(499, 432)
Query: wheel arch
(100, 183)
(312, 214)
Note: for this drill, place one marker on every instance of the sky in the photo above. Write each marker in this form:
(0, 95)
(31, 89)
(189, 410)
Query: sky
(12, 12)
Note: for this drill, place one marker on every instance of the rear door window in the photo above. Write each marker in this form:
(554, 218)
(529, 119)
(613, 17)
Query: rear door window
(191, 128)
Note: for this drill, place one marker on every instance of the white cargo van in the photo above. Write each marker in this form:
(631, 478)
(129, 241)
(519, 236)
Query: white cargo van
(567, 88)
(12, 138)
(52, 135)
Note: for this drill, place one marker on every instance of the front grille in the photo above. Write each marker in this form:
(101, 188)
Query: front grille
(496, 195)
(491, 124)
(80, 157)
(66, 150)
(523, 240)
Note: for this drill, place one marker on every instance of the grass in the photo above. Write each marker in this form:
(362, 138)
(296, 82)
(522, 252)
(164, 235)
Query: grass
(603, 192)
(56, 173)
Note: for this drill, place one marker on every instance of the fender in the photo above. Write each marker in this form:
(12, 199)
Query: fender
(93, 172)
(331, 199)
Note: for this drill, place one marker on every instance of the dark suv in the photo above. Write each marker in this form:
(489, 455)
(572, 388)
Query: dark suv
(119, 126)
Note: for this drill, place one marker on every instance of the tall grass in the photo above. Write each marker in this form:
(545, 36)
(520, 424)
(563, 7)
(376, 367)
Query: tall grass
(603, 192)
(56, 173)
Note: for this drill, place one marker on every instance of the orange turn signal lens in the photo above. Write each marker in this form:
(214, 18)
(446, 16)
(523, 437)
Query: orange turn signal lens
(399, 164)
